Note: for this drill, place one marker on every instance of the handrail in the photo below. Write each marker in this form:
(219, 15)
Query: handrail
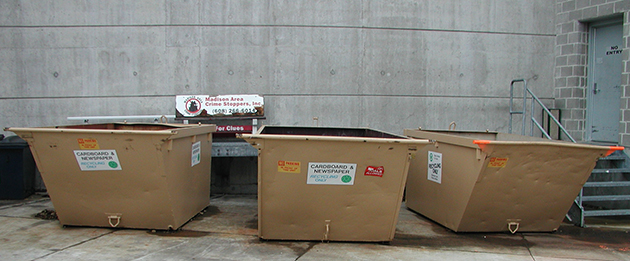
(534, 122)
(550, 115)
(512, 111)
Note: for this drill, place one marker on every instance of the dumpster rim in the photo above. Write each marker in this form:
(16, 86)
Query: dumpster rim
(479, 143)
(177, 129)
(609, 149)
(401, 140)
(54, 130)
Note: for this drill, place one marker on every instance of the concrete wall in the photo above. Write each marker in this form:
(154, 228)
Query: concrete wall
(573, 18)
(384, 64)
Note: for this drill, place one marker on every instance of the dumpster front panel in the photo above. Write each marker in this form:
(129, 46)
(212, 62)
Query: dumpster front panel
(303, 194)
(536, 185)
(89, 198)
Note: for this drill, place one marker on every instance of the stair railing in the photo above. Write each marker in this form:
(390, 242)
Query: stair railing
(527, 93)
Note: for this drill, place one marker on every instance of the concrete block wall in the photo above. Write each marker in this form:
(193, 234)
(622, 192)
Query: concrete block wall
(378, 63)
(571, 62)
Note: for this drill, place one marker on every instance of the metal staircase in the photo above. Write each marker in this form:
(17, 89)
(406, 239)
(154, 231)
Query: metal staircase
(607, 191)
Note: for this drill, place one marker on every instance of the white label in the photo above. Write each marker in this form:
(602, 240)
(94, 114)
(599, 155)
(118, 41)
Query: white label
(97, 160)
(329, 173)
(434, 172)
(196, 153)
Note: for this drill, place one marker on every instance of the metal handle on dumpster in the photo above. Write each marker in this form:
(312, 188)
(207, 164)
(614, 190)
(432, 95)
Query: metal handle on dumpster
(452, 124)
(114, 217)
(163, 118)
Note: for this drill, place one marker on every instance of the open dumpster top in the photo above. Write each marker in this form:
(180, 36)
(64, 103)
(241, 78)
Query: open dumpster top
(330, 134)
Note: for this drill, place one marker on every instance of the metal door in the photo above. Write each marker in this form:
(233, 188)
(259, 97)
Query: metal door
(604, 88)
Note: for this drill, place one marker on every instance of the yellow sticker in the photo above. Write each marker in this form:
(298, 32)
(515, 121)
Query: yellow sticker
(497, 162)
(88, 144)
(289, 166)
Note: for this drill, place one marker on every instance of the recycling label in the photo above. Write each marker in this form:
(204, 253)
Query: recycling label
(97, 160)
(328, 173)
(196, 153)
(434, 171)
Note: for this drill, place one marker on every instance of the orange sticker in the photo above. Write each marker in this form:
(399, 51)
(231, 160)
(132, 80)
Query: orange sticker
(497, 162)
(88, 144)
(289, 166)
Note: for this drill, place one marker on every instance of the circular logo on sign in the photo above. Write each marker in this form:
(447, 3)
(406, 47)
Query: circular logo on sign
(346, 178)
(112, 164)
(193, 105)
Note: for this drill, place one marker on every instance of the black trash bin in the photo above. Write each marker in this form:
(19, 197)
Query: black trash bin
(17, 168)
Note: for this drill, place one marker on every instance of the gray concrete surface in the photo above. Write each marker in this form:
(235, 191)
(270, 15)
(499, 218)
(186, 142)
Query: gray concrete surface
(227, 230)
(356, 63)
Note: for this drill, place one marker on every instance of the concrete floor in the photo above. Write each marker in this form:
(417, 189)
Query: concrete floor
(227, 231)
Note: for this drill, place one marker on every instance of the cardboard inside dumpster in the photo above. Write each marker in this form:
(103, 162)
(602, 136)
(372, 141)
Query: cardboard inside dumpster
(125, 175)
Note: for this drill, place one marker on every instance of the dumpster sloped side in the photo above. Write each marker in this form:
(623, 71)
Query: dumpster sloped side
(536, 184)
(444, 201)
(188, 179)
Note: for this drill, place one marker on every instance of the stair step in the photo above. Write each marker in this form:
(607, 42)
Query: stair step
(614, 157)
(606, 198)
(607, 184)
(609, 171)
(612, 212)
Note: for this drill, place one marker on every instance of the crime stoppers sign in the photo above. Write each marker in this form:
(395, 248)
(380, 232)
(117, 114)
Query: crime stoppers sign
(217, 106)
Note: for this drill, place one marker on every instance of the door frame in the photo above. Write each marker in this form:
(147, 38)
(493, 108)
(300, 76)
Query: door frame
(589, 76)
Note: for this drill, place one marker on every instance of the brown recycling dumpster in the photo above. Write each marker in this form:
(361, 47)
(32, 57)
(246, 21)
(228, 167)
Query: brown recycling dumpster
(331, 184)
(495, 182)
(126, 175)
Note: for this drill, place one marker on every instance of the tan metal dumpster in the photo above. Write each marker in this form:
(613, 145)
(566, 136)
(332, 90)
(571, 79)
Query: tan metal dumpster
(493, 182)
(337, 184)
(131, 175)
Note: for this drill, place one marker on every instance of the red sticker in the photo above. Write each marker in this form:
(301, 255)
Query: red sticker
(374, 171)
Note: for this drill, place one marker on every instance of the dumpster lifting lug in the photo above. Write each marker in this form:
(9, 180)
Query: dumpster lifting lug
(327, 231)
(116, 217)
